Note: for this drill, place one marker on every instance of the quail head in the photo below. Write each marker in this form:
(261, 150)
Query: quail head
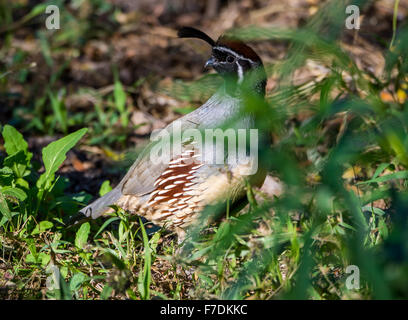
(172, 190)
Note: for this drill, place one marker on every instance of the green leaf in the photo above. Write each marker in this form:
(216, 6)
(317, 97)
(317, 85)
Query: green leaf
(76, 281)
(41, 227)
(377, 211)
(4, 209)
(144, 279)
(105, 188)
(66, 293)
(120, 96)
(37, 10)
(114, 259)
(18, 161)
(106, 292)
(391, 176)
(14, 192)
(184, 110)
(54, 155)
(380, 169)
(105, 224)
(59, 110)
(41, 258)
(383, 229)
(82, 235)
(13, 140)
(6, 171)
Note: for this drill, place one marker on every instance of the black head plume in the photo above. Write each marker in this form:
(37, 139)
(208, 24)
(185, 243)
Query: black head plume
(189, 32)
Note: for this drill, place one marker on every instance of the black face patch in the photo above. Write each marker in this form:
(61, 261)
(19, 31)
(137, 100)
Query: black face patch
(228, 62)
(221, 56)
(225, 63)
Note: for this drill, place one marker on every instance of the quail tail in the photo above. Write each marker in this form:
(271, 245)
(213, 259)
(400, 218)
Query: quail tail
(101, 205)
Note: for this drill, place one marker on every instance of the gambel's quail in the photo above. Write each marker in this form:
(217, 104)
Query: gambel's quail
(170, 189)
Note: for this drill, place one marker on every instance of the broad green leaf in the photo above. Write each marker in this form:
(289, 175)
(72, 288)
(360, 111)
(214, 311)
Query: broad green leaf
(17, 149)
(18, 162)
(13, 140)
(14, 192)
(54, 155)
(76, 281)
(42, 258)
(4, 209)
(82, 235)
(6, 171)
(106, 292)
(154, 241)
(41, 227)
(105, 188)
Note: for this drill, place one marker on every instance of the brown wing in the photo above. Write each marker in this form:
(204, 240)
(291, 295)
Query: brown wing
(144, 172)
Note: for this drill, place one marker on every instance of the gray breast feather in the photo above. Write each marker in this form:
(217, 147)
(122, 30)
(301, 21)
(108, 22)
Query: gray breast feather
(144, 172)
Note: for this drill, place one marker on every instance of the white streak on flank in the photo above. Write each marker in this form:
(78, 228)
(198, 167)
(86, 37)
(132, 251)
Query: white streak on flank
(189, 184)
(162, 192)
(175, 161)
(172, 200)
(179, 182)
(177, 165)
(163, 181)
(165, 215)
(166, 172)
(177, 194)
(169, 187)
(159, 198)
(181, 176)
(172, 178)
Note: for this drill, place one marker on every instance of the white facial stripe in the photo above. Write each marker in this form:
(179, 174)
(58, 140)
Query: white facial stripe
(233, 53)
(240, 72)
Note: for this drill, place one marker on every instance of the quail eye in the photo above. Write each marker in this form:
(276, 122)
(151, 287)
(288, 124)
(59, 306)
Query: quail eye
(230, 59)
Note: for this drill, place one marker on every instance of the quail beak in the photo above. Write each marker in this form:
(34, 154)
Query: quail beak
(210, 63)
